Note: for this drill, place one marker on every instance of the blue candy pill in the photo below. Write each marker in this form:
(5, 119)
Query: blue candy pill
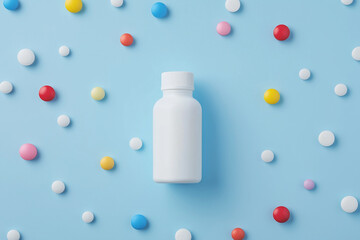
(159, 10)
(11, 4)
(139, 222)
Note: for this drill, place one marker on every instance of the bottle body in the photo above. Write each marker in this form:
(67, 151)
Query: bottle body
(177, 137)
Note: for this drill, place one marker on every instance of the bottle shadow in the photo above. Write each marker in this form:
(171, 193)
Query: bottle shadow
(210, 183)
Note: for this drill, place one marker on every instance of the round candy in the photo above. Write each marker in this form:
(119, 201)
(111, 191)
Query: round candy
(326, 138)
(340, 89)
(63, 120)
(271, 96)
(281, 32)
(238, 234)
(11, 4)
(304, 74)
(356, 53)
(267, 156)
(349, 204)
(13, 235)
(47, 93)
(126, 39)
(107, 163)
(97, 93)
(309, 184)
(281, 214)
(135, 143)
(26, 57)
(6, 87)
(232, 5)
(347, 2)
(73, 6)
(87, 217)
(28, 151)
(64, 51)
(58, 187)
(139, 222)
(223, 28)
(159, 10)
(183, 234)
(117, 3)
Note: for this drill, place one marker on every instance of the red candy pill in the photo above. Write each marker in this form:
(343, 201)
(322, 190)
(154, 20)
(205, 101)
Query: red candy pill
(126, 39)
(47, 93)
(281, 32)
(281, 214)
(238, 234)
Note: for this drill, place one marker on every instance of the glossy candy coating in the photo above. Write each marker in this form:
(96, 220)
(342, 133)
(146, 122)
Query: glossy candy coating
(11, 4)
(238, 234)
(309, 184)
(281, 32)
(28, 151)
(281, 214)
(139, 222)
(126, 39)
(47, 93)
(73, 6)
(271, 96)
(223, 28)
(159, 10)
(107, 163)
(98, 93)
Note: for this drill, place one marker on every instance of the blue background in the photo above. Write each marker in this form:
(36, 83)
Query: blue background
(231, 74)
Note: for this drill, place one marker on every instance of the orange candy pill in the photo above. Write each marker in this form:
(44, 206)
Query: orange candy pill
(126, 39)
(238, 234)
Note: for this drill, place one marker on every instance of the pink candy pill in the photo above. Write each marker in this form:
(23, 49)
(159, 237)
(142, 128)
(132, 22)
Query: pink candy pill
(309, 184)
(28, 151)
(223, 28)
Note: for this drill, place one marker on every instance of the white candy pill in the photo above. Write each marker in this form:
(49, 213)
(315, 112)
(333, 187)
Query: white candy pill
(135, 143)
(64, 51)
(349, 204)
(340, 89)
(88, 217)
(356, 53)
(326, 138)
(58, 187)
(232, 5)
(117, 3)
(13, 235)
(26, 57)
(267, 156)
(63, 120)
(6, 87)
(347, 2)
(304, 74)
(183, 234)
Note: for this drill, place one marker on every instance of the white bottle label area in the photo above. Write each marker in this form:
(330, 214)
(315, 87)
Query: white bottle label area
(177, 137)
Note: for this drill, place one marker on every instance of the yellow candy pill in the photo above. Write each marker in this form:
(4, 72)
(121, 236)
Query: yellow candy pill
(107, 163)
(97, 93)
(73, 6)
(272, 96)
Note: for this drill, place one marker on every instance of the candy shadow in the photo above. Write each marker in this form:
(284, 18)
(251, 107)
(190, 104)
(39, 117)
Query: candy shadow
(291, 219)
(35, 63)
(241, 9)
(335, 144)
(83, 9)
(124, 5)
(13, 91)
(55, 100)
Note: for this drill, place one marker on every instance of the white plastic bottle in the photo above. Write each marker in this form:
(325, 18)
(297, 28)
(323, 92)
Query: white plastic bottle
(177, 129)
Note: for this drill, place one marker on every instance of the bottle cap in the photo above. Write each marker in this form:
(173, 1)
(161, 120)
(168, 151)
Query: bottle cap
(177, 81)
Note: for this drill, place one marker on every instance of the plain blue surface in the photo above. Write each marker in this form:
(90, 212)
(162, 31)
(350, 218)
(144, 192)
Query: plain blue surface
(231, 74)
